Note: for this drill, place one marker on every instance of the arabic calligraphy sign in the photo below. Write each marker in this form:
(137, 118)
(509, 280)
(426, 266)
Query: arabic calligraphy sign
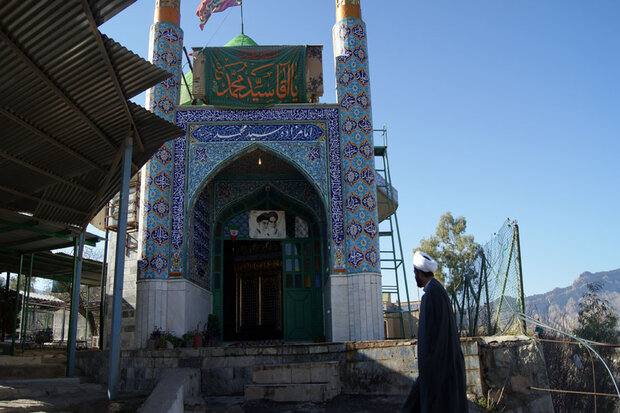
(255, 76)
(256, 132)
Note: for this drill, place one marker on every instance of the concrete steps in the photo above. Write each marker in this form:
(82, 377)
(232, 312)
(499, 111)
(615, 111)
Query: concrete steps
(36, 366)
(214, 404)
(302, 382)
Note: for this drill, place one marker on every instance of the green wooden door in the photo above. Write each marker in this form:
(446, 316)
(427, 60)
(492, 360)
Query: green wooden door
(302, 290)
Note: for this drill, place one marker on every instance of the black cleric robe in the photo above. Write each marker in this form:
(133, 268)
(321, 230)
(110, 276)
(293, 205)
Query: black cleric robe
(440, 386)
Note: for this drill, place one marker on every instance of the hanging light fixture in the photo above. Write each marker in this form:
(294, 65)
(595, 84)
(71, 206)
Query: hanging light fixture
(259, 160)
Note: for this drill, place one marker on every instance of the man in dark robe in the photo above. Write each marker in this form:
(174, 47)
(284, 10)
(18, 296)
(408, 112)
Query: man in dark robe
(440, 386)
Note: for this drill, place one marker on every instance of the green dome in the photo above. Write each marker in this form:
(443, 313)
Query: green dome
(184, 98)
(241, 40)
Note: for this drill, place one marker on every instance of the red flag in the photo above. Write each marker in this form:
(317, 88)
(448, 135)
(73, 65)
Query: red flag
(208, 7)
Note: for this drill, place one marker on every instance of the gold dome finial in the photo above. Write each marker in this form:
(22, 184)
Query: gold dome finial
(348, 8)
(168, 11)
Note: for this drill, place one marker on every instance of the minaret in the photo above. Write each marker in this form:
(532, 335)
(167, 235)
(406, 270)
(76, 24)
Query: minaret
(361, 255)
(160, 258)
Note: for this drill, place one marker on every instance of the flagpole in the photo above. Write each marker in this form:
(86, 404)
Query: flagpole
(241, 16)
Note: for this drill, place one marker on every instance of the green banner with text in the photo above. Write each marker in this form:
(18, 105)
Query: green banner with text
(251, 77)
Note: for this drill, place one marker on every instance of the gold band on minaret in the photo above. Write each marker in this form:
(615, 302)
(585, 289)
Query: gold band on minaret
(168, 11)
(348, 8)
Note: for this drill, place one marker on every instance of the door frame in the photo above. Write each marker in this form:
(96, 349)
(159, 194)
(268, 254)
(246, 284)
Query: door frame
(270, 200)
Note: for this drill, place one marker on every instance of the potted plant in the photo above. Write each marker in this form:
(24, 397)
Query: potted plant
(198, 342)
(188, 339)
(212, 331)
(151, 343)
(167, 340)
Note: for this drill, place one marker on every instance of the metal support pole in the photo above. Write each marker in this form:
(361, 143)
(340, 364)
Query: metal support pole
(21, 265)
(75, 302)
(119, 267)
(482, 280)
(103, 294)
(64, 321)
(26, 303)
(242, 17)
(490, 331)
(86, 318)
(8, 280)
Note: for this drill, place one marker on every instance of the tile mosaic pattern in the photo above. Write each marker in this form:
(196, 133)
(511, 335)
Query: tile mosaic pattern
(205, 158)
(160, 252)
(199, 242)
(242, 221)
(233, 192)
(359, 189)
(228, 193)
(319, 159)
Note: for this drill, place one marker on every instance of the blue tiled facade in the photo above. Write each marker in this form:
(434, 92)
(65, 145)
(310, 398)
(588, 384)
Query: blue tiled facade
(331, 145)
(306, 136)
(161, 254)
(359, 187)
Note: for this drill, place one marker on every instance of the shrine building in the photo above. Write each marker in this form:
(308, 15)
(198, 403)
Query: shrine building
(265, 213)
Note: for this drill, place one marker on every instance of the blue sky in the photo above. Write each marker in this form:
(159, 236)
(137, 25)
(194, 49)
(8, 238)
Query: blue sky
(494, 109)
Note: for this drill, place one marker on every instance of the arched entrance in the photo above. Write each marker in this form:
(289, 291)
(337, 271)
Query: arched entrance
(266, 285)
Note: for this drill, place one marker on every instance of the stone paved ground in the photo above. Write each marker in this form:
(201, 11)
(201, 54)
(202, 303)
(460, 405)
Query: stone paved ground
(130, 403)
(75, 403)
(340, 404)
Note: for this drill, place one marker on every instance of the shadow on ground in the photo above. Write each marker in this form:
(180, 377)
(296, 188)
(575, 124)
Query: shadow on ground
(340, 404)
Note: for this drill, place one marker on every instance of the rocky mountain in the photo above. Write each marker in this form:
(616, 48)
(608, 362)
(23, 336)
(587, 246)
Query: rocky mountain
(561, 305)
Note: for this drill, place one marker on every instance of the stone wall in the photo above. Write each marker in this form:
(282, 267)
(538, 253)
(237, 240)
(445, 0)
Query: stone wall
(128, 310)
(367, 367)
(510, 365)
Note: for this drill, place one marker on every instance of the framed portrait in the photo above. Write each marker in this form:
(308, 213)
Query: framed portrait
(267, 224)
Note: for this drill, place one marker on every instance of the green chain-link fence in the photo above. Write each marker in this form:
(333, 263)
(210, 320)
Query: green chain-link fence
(492, 293)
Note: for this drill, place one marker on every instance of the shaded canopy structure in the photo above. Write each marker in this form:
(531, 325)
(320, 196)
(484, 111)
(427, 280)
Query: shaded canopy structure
(64, 110)
(68, 129)
(56, 267)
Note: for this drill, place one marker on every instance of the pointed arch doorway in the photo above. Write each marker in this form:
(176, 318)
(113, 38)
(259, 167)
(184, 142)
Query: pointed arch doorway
(263, 287)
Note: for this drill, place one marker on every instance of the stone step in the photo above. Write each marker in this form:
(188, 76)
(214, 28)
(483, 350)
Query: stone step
(298, 373)
(309, 392)
(194, 404)
(41, 371)
(38, 366)
(215, 404)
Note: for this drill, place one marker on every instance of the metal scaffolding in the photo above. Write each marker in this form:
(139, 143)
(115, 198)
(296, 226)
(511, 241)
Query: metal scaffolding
(392, 265)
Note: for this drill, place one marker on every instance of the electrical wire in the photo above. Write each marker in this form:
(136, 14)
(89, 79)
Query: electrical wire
(586, 343)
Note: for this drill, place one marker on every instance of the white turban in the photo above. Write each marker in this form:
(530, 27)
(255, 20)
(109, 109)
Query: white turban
(424, 262)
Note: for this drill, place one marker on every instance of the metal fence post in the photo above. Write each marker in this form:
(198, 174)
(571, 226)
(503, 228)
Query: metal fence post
(520, 276)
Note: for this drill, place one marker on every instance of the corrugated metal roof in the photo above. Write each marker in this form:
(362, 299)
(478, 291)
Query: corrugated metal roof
(64, 110)
(104, 10)
(24, 234)
(58, 267)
